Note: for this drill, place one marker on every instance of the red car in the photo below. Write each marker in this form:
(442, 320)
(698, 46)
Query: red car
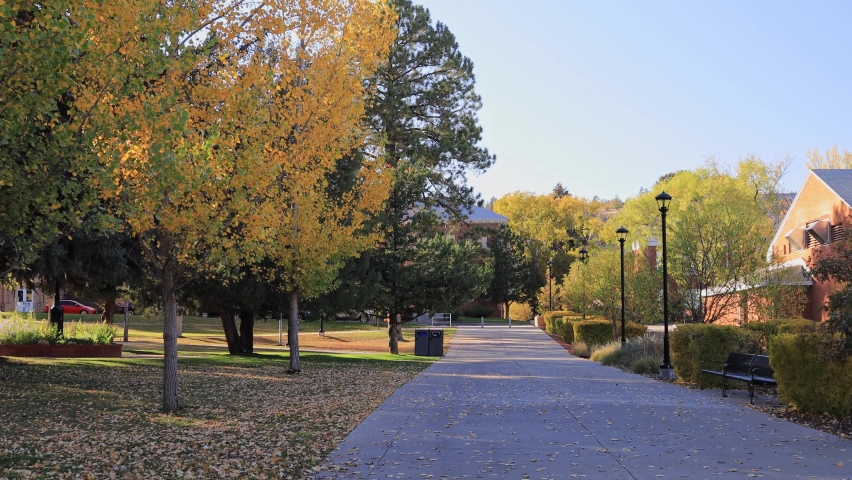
(70, 306)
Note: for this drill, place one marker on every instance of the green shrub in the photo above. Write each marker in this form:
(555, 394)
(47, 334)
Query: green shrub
(647, 365)
(580, 349)
(21, 331)
(679, 341)
(807, 377)
(550, 319)
(798, 325)
(768, 329)
(593, 332)
(698, 346)
(478, 311)
(632, 330)
(566, 330)
(559, 313)
(610, 354)
(548, 324)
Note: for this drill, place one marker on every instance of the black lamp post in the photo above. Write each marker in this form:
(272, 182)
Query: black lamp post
(663, 200)
(550, 284)
(584, 255)
(622, 236)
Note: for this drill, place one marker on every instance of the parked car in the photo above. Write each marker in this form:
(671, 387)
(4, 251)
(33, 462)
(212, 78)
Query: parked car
(71, 306)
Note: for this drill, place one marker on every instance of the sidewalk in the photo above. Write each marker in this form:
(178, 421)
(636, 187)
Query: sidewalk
(511, 403)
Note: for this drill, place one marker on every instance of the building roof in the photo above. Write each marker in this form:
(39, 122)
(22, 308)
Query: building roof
(482, 215)
(839, 180)
(474, 215)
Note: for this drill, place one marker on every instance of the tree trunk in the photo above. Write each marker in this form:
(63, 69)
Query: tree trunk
(232, 337)
(394, 332)
(170, 381)
(506, 310)
(247, 330)
(293, 333)
(109, 310)
(57, 315)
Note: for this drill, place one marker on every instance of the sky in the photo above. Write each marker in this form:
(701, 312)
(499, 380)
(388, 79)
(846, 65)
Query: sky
(606, 96)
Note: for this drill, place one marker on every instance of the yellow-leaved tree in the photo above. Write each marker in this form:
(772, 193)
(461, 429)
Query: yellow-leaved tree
(832, 158)
(234, 133)
(315, 120)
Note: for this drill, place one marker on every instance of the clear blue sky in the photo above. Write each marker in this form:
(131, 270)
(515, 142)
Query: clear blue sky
(607, 96)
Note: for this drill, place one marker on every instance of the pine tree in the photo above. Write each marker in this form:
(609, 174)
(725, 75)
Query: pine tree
(425, 107)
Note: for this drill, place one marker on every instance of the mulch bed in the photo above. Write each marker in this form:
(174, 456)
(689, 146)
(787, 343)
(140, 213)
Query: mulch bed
(828, 423)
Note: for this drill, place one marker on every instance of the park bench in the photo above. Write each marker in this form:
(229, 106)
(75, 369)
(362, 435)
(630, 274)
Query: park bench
(752, 369)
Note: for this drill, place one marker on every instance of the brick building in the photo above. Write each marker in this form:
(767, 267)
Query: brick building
(814, 222)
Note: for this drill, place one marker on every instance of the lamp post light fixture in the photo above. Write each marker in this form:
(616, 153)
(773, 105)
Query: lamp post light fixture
(550, 284)
(663, 201)
(584, 256)
(622, 236)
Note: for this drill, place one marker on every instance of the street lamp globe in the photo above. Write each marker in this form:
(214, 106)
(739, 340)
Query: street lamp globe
(663, 200)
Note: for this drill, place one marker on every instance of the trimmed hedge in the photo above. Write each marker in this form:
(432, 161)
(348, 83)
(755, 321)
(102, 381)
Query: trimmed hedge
(566, 329)
(632, 330)
(769, 329)
(807, 378)
(552, 319)
(697, 346)
(797, 325)
(593, 332)
(552, 323)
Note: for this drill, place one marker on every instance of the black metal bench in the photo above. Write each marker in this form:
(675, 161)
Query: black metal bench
(752, 369)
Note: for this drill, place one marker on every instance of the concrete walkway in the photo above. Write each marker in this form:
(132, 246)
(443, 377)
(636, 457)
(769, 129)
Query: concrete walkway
(511, 403)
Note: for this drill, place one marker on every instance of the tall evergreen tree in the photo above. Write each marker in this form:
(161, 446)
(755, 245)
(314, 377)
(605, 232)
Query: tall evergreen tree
(425, 107)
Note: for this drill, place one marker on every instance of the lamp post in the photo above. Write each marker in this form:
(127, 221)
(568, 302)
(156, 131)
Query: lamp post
(663, 200)
(550, 284)
(622, 236)
(584, 255)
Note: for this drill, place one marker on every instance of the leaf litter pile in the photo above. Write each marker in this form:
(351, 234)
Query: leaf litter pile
(240, 421)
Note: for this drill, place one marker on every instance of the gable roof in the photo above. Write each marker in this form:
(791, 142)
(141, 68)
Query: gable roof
(483, 215)
(838, 180)
(474, 215)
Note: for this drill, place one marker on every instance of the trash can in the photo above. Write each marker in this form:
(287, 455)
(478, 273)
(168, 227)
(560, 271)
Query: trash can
(436, 343)
(421, 342)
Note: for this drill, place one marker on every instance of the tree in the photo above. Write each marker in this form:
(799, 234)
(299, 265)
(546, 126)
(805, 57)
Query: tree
(776, 292)
(832, 159)
(719, 224)
(555, 227)
(425, 108)
(450, 273)
(516, 276)
(232, 145)
(559, 191)
(836, 266)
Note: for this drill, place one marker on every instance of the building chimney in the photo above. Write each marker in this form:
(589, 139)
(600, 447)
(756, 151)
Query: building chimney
(651, 251)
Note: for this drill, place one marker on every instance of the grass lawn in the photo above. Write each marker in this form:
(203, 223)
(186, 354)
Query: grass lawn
(201, 334)
(242, 417)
